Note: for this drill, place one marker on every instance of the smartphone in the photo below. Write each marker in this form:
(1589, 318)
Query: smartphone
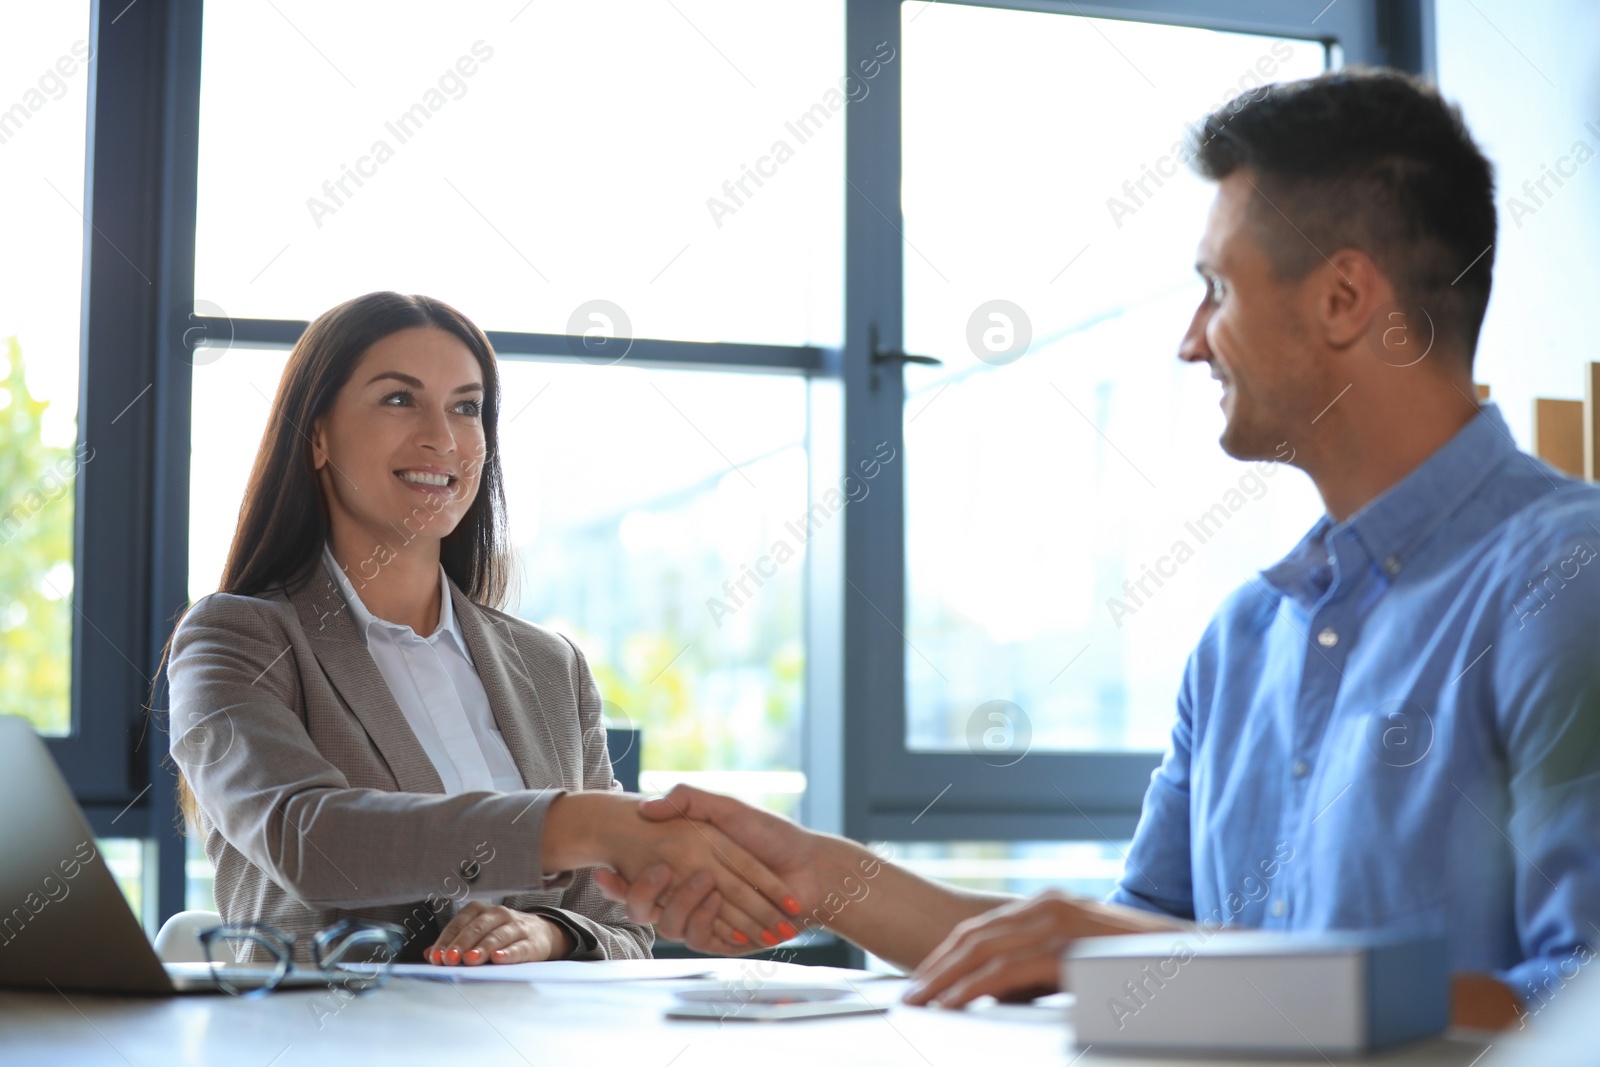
(771, 1004)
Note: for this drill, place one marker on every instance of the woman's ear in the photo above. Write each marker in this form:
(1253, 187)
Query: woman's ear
(319, 440)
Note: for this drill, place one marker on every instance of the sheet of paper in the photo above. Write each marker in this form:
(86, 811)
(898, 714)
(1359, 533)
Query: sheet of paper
(560, 971)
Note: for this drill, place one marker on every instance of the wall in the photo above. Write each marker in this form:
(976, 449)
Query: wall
(1527, 77)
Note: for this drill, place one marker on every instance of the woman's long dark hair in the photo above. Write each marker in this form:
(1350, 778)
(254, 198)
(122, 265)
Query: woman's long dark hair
(283, 520)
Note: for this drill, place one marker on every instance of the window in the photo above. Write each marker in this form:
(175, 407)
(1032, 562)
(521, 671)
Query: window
(522, 160)
(1071, 523)
(677, 568)
(44, 51)
(125, 857)
(1019, 212)
(1091, 868)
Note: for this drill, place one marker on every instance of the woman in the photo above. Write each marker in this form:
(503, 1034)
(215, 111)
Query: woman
(342, 765)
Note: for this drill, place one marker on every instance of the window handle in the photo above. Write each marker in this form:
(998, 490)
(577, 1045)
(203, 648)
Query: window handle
(881, 355)
(895, 357)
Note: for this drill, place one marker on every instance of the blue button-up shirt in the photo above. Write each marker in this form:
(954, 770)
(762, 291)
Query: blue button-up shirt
(1398, 726)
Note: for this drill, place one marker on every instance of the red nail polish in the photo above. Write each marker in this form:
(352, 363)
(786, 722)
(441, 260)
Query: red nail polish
(739, 938)
(474, 955)
(791, 905)
(786, 930)
(767, 938)
(453, 956)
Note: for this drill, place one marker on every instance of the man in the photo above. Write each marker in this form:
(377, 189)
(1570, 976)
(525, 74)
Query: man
(1395, 726)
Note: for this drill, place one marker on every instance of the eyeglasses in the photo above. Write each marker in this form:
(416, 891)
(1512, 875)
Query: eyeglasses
(353, 954)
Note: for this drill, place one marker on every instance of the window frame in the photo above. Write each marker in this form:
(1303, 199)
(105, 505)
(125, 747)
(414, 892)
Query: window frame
(131, 529)
(890, 792)
(139, 173)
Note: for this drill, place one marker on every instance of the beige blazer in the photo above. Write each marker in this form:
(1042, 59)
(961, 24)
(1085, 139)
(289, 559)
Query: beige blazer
(318, 801)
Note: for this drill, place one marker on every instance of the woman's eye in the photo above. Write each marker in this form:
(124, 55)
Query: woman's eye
(467, 407)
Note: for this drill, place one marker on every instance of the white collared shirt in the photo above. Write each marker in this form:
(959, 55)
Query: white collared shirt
(439, 692)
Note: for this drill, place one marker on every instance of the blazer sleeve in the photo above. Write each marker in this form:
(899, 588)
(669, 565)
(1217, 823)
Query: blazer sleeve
(239, 738)
(599, 925)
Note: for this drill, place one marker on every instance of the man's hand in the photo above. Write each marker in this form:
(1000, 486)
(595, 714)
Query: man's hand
(489, 933)
(1013, 952)
(688, 912)
(1482, 1002)
(753, 905)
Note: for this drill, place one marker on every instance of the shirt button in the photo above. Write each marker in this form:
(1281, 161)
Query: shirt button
(1328, 638)
(1391, 566)
(1278, 908)
(1301, 768)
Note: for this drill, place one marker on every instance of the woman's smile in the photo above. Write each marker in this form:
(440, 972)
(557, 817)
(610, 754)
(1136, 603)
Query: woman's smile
(427, 481)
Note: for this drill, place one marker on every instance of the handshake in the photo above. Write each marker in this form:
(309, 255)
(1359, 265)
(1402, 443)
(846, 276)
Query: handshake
(727, 879)
(703, 868)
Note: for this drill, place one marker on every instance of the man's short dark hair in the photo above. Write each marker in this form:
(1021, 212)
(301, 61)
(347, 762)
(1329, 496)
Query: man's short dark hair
(1371, 160)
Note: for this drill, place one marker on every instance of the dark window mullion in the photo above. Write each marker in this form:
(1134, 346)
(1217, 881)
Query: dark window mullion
(283, 333)
(873, 592)
(117, 409)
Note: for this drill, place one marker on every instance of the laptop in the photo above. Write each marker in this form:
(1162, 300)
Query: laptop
(64, 922)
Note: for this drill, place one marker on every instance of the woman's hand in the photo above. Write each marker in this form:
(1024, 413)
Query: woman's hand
(751, 907)
(489, 933)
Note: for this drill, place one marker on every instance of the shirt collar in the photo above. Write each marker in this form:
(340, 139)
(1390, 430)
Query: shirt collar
(1401, 518)
(1307, 571)
(1406, 514)
(365, 620)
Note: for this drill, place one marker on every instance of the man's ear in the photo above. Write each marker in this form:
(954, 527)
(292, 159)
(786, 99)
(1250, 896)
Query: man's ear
(1351, 294)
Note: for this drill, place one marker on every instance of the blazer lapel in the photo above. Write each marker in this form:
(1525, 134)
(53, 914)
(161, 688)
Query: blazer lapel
(500, 667)
(344, 658)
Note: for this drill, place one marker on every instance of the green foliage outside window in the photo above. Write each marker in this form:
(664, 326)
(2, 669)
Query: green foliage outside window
(36, 512)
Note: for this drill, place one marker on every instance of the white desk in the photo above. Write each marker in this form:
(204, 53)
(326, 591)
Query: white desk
(491, 1024)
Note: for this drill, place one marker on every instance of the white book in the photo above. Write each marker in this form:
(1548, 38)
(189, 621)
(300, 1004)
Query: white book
(1314, 995)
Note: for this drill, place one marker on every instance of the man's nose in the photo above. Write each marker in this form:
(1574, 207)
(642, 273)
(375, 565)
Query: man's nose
(1193, 348)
